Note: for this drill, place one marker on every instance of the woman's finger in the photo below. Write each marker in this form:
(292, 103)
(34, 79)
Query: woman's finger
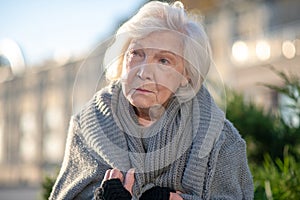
(129, 180)
(106, 175)
(175, 196)
(115, 173)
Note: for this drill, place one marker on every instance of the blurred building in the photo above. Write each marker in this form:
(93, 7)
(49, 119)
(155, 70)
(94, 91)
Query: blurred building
(36, 105)
(247, 37)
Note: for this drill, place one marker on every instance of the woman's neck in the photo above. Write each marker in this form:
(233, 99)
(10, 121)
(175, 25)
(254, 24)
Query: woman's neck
(146, 116)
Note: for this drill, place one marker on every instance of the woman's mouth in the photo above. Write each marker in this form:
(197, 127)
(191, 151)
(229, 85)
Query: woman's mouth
(142, 90)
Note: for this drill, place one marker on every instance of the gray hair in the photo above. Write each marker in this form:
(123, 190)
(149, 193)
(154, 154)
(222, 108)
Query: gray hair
(159, 16)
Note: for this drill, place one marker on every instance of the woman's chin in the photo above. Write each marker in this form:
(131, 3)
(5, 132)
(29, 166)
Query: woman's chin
(142, 105)
(142, 101)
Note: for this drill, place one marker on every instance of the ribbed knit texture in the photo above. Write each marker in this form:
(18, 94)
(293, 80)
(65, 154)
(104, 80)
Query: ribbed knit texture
(158, 153)
(209, 161)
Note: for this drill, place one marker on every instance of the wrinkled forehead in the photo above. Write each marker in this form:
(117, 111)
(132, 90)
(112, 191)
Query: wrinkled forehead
(170, 41)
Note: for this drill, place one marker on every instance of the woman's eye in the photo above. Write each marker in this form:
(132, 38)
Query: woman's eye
(136, 53)
(164, 61)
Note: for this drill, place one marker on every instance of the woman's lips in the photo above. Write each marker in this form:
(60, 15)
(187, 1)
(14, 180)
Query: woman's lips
(144, 90)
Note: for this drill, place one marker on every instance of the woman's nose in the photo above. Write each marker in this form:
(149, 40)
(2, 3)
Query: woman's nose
(145, 71)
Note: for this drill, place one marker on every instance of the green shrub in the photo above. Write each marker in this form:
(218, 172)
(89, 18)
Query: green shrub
(289, 111)
(267, 133)
(259, 129)
(291, 90)
(279, 179)
(272, 141)
(47, 185)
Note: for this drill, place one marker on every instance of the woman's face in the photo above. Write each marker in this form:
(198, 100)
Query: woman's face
(153, 69)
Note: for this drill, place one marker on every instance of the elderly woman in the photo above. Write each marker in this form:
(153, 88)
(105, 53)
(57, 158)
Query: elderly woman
(155, 131)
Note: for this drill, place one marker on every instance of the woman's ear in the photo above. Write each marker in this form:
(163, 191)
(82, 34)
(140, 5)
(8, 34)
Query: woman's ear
(184, 82)
(185, 78)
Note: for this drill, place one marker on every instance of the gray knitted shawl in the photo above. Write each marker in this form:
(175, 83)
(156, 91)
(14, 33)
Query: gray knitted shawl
(192, 148)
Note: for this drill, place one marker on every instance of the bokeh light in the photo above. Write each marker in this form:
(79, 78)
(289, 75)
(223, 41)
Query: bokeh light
(240, 51)
(263, 50)
(288, 49)
(12, 52)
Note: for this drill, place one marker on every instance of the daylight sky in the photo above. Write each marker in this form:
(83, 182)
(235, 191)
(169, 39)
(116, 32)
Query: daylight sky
(43, 28)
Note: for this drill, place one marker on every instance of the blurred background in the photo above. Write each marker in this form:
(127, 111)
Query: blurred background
(50, 64)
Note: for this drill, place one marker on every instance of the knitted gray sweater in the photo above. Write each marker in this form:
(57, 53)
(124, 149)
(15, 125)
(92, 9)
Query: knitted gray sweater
(213, 166)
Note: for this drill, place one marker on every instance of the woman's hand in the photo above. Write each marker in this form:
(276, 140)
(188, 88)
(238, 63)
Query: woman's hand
(117, 174)
(129, 181)
(175, 196)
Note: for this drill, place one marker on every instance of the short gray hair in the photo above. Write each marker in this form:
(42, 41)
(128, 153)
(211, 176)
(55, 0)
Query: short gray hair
(160, 16)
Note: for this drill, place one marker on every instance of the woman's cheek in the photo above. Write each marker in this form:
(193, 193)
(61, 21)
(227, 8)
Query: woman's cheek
(170, 81)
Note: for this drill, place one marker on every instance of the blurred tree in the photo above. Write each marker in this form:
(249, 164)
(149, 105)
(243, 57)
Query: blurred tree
(256, 127)
(291, 93)
(273, 140)
(289, 111)
(267, 133)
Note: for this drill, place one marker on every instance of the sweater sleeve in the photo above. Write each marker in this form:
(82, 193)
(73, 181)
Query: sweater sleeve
(229, 176)
(232, 178)
(80, 173)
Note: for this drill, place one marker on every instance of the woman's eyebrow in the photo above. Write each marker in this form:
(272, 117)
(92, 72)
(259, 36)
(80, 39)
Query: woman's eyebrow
(168, 52)
(134, 44)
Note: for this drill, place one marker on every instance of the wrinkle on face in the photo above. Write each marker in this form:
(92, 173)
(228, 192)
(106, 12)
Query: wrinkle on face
(153, 70)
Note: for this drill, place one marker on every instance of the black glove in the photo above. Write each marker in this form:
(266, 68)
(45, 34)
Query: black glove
(157, 193)
(112, 189)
